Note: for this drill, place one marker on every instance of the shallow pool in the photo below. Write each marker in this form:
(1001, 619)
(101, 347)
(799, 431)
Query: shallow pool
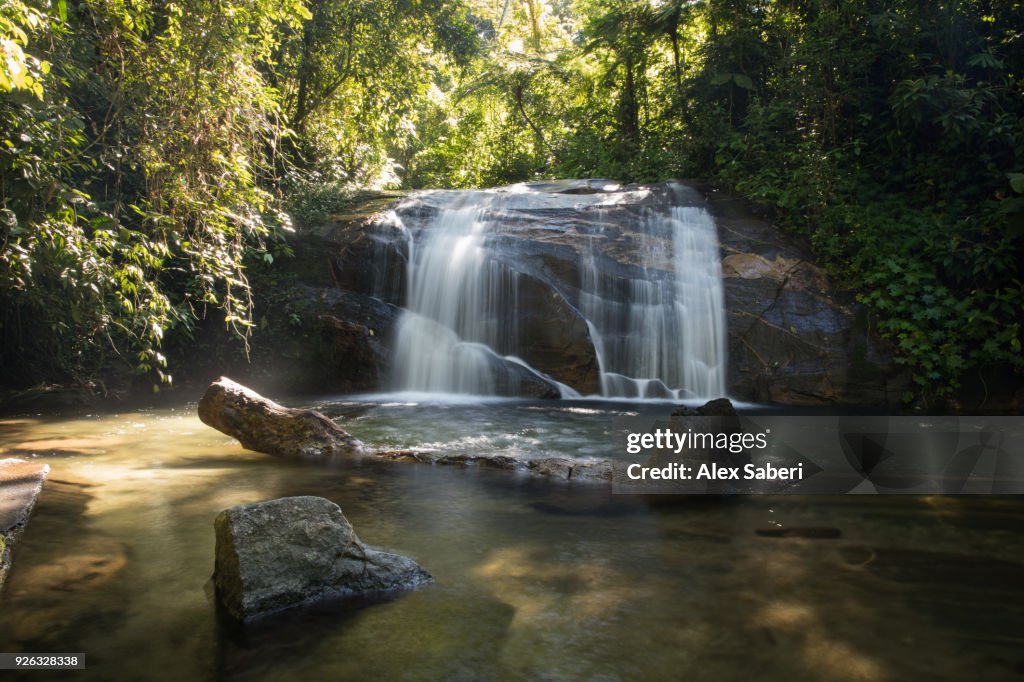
(535, 579)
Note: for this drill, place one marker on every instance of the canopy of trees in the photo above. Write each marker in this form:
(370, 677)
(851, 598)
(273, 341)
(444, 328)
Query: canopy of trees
(151, 149)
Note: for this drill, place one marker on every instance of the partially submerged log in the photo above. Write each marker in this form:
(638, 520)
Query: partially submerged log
(264, 426)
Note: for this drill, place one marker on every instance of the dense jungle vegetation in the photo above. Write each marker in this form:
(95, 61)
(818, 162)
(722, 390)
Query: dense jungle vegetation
(152, 152)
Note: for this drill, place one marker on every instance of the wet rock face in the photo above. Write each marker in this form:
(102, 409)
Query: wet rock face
(514, 380)
(297, 550)
(554, 339)
(355, 353)
(543, 245)
(792, 337)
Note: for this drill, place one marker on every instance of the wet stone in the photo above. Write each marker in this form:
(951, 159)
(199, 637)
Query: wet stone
(20, 484)
(292, 551)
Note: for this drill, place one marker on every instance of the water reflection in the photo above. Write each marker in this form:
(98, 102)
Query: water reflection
(535, 579)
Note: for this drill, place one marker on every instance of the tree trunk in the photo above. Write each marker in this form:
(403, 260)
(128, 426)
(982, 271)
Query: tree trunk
(264, 426)
(630, 107)
(534, 11)
(674, 35)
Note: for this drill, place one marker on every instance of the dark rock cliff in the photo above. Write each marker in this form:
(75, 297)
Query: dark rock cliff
(793, 337)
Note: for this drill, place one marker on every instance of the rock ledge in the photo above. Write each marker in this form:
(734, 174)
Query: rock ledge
(20, 484)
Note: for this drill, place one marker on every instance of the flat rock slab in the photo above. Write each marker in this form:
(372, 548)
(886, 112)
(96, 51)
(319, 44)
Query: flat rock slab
(20, 485)
(297, 550)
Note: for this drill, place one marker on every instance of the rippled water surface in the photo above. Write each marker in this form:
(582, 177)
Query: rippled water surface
(534, 579)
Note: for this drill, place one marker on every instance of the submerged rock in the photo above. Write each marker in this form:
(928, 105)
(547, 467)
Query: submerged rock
(264, 426)
(719, 407)
(296, 550)
(817, 532)
(554, 468)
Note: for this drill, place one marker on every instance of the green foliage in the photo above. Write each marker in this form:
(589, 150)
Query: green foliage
(312, 200)
(147, 148)
(498, 123)
(355, 78)
(18, 70)
(144, 147)
(939, 332)
(131, 186)
(889, 135)
(891, 139)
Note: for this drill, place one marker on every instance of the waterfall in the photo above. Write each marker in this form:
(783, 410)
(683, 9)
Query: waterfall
(461, 305)
(656, 322)
(661, 334)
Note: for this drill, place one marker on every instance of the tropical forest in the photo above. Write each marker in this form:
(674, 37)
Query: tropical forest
(155, 154)
(597, 340)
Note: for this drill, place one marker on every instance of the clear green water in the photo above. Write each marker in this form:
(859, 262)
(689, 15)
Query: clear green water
(534, 579)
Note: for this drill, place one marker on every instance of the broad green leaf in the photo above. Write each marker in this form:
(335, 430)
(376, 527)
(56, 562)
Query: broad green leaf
(743, 81)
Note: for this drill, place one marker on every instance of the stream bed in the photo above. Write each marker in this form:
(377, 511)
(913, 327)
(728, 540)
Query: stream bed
(535, 579)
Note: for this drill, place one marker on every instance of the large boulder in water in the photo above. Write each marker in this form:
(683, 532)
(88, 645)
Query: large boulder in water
(297, 550)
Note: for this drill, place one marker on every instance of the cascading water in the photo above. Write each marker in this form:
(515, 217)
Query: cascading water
(657, 323)
(458, 299)
(660, 335)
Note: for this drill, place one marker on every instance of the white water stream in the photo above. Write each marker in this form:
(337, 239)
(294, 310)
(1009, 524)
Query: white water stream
(658, 332)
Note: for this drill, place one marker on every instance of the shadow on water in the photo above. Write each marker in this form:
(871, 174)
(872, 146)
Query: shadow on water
(456, 636)
(534, 579)
(64, 557)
